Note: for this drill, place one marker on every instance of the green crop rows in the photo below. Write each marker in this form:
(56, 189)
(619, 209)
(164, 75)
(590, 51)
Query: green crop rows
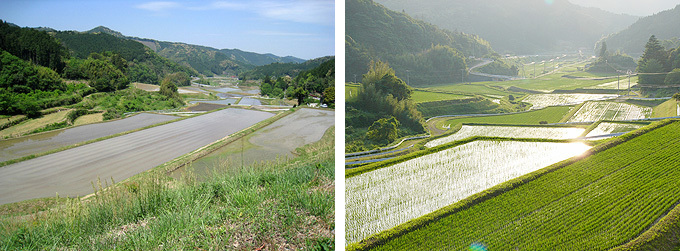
(597, 203)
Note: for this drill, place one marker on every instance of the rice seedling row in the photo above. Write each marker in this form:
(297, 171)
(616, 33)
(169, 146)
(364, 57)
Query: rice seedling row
(389, 196)
(545, 100)
(510, 132)
(596, 111)
(597, 203)
(610, 127)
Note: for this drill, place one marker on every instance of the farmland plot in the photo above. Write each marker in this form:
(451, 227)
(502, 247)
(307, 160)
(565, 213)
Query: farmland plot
(510, 132)
(608, 128)
(596, 203)
(389, 196)
(596, 111)
(544, 100)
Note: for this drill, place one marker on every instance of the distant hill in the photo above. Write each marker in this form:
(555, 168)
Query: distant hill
(141, 58)
(419, 52)
(206, 60)
(664, 25)
(284, 69)
(519, 26)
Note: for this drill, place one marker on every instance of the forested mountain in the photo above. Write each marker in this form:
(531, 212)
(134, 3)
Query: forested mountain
(32, 45)
(205, 60)
(519, 26)
(664, 25)
(284, 69)
(144, 65)
(419, 52)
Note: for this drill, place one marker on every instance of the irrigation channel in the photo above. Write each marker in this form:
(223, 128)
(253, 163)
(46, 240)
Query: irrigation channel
(43, 142)
(70, 172)
(276, 141)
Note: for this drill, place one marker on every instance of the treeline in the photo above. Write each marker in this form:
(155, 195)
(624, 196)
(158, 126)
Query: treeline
(498, 66)
(419, 52)
(283, 69)
(382, 111)
(32, 80)
(317, 82)
(608, 62)
(32, 45)
(26, 88)
(144, 65)
(656, 63)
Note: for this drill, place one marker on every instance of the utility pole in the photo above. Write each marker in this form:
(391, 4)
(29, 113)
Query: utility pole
(462, 75)
(534, 63)
(628, 82)
(355, 78)
(408, 82)
(617, 82)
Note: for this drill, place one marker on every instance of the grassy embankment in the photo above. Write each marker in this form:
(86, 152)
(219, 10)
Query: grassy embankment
(272, 206)
(615, 193)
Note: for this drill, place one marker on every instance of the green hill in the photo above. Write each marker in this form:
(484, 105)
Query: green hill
(519, 26)
(284, 69)
(664, 25)
(419, 52)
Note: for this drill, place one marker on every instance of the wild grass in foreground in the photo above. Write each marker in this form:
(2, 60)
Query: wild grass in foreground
(275, 206)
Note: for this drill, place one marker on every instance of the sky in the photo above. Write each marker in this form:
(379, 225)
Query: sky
(632, 7)
(300, 28)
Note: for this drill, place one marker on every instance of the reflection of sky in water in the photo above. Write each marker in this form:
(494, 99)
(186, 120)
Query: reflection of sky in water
(226, 89)
(229, 95)
(255, 91)
(250, 101)
(219, 102)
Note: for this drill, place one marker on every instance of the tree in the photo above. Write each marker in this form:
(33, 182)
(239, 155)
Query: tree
(603, 50)
(654, 50)
(655, 68)
(673, 78)
(676, 96)
(329, 96)
(383, 130)
(300, 94)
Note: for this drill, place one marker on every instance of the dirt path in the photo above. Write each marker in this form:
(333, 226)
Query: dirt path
(70, 172)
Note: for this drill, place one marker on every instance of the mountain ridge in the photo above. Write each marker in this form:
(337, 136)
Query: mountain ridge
(664, 25)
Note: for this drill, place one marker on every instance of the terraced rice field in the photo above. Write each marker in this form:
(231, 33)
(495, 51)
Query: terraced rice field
(70, 172)
(427, 96)
(609, 128)
(545, 100)
(596, 203)
(596, 111)
(278, 140)
(386, 197)
(548, 114)
(32, 144)
(509, 132)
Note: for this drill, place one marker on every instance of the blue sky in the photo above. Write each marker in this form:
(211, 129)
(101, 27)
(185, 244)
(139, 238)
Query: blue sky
(300, 28)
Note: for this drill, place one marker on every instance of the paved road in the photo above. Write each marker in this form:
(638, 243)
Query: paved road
(24, 146)
(70, 172)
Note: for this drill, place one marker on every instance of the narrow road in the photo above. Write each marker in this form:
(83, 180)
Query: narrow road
(71, 172)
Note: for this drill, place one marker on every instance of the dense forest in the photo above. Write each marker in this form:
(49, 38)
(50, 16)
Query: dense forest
(611, 62)
(315, 82)
(419, 53)
(144, 65)
(664, 25)
(283, 69)
(43, 68)
(519, 26)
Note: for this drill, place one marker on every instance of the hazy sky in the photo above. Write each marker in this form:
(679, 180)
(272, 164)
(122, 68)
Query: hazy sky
(300, 28)
(632, 7)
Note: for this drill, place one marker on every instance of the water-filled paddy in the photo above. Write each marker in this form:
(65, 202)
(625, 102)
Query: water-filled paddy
(24, 146)
(384, 198)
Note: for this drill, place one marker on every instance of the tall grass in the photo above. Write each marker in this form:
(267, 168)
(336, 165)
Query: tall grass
(271, 206)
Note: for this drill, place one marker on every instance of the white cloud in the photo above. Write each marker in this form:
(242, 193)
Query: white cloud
(159, 6)
(280, 33)
(303, 11)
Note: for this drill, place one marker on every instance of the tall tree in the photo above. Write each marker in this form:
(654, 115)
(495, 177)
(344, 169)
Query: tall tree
(603, 50)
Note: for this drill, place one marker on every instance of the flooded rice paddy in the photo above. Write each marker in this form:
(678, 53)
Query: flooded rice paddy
(33, 144)
(70, 172)
(277, 140)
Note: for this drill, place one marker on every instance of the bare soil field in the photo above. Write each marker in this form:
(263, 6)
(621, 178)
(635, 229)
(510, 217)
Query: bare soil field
(71, 172)
(32, 144)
